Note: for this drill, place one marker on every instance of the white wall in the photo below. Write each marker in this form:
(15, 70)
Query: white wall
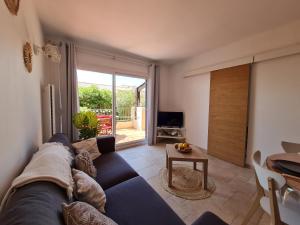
(98, 60)
(274, 104)
(191, 95)
(164, 88)
(196, 109)
(20, 92)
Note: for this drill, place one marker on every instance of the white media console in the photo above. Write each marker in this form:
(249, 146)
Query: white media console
(170, 132)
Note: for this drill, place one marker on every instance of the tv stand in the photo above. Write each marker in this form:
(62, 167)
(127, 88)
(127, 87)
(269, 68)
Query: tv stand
(171, 132)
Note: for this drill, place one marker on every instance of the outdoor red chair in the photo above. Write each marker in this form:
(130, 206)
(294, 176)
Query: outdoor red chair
(105, 124)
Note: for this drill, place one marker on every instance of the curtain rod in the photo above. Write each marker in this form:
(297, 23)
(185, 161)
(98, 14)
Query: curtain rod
(113, 56)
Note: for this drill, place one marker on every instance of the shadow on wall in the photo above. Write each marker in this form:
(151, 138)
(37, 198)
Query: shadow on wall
(21, 128)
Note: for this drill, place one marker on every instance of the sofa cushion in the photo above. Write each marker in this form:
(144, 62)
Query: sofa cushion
(88, 190)
(134, 202)
(35, 204)
(81, 213)
(112, 169)
(89, 145)
(84, 163)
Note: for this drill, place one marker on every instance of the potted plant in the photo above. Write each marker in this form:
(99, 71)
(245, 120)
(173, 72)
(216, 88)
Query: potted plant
(86, 123)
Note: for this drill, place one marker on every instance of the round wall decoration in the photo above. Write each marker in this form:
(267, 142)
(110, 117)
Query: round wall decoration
(27, 56)
(13, 6)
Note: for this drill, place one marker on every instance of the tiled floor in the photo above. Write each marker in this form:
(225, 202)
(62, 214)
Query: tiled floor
(235, 187)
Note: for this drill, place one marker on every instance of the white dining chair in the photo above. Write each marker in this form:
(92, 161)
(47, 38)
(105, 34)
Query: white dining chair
(290, 147)
(274, 184)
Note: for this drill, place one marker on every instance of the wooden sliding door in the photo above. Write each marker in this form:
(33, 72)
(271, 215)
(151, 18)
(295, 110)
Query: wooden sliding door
(228, 113)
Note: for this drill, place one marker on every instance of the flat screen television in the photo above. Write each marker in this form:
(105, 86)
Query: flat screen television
(170, 119)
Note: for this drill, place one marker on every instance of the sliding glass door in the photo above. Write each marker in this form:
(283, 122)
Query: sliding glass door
(130, 109)
(119, 102)
(96, 94)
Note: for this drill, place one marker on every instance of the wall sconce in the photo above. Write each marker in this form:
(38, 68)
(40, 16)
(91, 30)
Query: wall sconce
(27, 56)
(51, 51)
(13, 6)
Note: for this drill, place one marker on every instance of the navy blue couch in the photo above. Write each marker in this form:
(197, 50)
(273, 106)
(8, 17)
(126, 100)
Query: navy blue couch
(130, 199)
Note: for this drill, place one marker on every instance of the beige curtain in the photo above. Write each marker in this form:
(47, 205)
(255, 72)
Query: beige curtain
(68, 91)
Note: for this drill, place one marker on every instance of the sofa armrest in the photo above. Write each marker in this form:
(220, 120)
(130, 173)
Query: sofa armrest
(106, 144)
(208, 218)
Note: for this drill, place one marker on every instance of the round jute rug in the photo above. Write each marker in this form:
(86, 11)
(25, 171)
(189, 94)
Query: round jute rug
(187, 183)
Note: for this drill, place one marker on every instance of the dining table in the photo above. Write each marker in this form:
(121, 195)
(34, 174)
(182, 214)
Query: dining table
(288, 165)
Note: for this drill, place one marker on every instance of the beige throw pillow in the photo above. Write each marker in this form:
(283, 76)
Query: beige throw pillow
(81, 213)
(88, 190)
(84, 163)
(89, 145)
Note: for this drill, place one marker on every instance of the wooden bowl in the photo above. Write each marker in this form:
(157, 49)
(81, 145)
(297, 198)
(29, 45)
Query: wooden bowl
(185, 150)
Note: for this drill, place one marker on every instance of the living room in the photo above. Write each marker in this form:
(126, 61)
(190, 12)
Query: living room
(196, 63)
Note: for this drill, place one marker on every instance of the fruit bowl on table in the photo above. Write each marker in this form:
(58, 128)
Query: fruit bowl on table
(183, 147)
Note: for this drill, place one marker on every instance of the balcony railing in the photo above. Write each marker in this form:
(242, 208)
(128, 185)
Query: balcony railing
(122, 113)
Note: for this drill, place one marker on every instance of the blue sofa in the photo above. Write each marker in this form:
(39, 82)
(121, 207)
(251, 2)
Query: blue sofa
(130, 199)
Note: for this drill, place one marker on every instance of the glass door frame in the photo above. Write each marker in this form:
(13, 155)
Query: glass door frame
(114, 106)
(114, 74)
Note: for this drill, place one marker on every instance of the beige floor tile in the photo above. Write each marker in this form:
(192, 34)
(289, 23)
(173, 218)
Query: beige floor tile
(237, 185)
(176, 204)
(258, 216)
(140, 163)
(265, 220)
(151, 171)
(190, 218)
(155, 183)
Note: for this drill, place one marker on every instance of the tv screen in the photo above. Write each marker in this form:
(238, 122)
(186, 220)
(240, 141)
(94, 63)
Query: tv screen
(170, 119)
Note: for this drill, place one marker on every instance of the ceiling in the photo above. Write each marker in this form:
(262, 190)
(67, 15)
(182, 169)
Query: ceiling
(164, 30)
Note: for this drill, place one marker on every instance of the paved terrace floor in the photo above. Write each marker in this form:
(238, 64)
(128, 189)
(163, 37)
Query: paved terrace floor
(128, 135)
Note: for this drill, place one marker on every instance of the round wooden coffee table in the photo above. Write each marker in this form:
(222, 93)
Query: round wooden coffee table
(196, 155)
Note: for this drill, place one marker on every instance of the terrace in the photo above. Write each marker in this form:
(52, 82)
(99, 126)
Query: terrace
(130, 123)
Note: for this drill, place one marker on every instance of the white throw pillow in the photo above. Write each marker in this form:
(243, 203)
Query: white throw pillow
(89, 145)
(88, 190)
(84, 214)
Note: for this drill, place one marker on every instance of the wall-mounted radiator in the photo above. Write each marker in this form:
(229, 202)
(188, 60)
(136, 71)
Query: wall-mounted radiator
(49, 111)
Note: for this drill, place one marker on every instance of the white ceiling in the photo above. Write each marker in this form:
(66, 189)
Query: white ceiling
(166, 30)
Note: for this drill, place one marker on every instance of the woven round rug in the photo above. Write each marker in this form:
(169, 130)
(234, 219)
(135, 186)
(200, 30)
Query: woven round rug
(186, 183)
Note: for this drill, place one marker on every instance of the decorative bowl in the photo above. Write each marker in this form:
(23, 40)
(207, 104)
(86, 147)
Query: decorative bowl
(181, 149)
(185, 150)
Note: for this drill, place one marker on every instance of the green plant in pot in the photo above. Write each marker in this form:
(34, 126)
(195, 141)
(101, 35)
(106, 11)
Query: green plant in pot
(86, 123)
